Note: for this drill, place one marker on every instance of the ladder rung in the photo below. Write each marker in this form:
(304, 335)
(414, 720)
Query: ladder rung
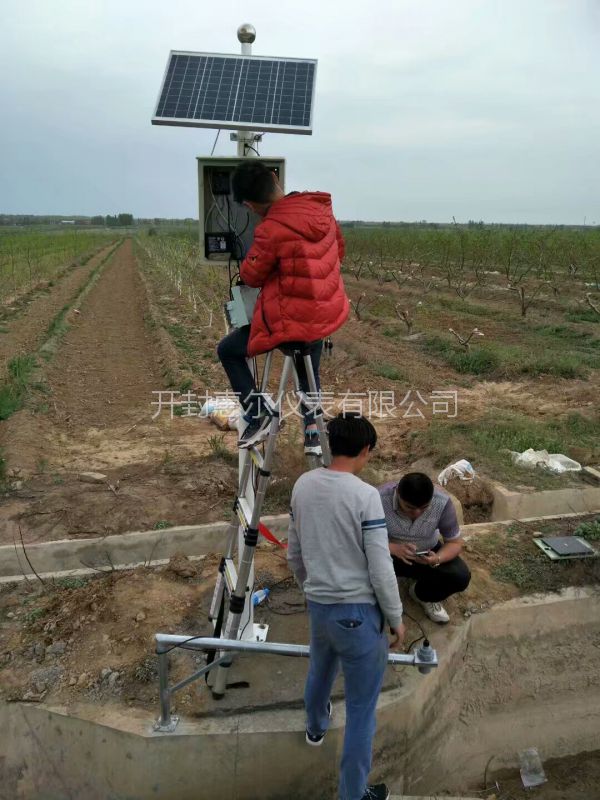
(230, 575)
(256, 456)
(244, 512)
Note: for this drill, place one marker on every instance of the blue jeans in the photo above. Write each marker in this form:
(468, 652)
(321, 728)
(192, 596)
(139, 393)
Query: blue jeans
(351, 635)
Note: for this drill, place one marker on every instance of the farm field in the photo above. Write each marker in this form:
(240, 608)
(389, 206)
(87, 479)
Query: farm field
(87, 450)
(31, 259)
(150, 322)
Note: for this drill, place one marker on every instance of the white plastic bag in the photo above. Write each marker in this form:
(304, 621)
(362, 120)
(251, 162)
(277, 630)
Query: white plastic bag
(222, 411)
(460, 469)
(552, 462)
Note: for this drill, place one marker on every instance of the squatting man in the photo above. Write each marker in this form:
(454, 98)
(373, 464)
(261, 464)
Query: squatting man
(425, 541)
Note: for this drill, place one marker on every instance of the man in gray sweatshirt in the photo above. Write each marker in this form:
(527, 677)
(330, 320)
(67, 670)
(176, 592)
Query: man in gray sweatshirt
(338, 551)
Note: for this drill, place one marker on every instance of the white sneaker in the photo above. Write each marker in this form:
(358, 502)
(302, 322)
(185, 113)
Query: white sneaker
(435, 611)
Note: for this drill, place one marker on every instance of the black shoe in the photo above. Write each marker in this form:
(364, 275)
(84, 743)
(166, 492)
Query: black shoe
(313, 740)
(256, 431)
(377, 792)
(312, 444)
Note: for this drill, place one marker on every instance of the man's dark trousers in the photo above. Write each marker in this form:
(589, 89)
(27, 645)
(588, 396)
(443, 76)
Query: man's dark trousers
(435, 584)
(233, 352)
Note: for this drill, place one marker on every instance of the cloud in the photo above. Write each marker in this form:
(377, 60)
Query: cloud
(424, 109)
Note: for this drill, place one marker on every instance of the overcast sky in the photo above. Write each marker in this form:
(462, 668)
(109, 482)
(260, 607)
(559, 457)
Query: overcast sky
(425, 109)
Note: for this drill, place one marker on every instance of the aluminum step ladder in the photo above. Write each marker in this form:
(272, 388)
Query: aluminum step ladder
(231, 610)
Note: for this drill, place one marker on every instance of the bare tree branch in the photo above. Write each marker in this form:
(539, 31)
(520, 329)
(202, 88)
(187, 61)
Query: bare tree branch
(464, 341)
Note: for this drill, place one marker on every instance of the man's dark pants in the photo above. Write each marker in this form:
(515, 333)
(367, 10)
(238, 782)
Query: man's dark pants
(435, 584)
(233, 352)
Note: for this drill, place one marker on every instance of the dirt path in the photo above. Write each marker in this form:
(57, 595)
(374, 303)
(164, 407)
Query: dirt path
(106, 368)
(25, 332)
(98, 418)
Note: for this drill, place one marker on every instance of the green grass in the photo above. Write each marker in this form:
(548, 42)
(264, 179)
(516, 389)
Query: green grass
(561, 366)
(32, 256)
(71, 582)
(14, 392)
(33, 615)
(481, 360)
(218, 447)
(589, 530)
(390, 372)
(531, 572)
(585, 315)
(507, 361)
(469, 309)
(486, 442)
(179, 336)
(392, 333)
(3, 475)
(572, 336)
(58, 325)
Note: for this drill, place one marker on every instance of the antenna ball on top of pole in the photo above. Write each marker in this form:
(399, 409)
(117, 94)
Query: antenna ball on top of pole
(246, 33)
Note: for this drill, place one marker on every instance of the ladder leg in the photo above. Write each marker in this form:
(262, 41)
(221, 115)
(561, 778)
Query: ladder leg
(238, 596)
(266, 371)
(217, 597)
(317, 410)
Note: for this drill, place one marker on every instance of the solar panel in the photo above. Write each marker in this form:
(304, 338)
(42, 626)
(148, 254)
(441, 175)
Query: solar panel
(568, 545)
(241, 92)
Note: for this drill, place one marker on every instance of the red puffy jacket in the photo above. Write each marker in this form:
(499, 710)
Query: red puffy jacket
(295, 259)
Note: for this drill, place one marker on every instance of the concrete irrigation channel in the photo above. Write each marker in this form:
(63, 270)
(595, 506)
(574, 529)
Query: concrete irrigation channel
(522, 673)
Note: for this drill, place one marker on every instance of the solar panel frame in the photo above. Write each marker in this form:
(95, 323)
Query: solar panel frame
(237, 124)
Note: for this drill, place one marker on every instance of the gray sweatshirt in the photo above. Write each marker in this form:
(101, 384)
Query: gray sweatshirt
(338, 543)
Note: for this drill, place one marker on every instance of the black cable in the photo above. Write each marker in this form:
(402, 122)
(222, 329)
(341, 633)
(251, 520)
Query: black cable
(181, 644)
(241, 635)
(215, 142)
(232, 230)
(417, 623)
(412, 644)
(245, 228)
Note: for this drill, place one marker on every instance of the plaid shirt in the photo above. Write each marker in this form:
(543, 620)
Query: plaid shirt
(439, 518)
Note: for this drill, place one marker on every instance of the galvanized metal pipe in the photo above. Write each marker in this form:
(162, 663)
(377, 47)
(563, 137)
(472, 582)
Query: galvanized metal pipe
(165, 641)
(164, 691)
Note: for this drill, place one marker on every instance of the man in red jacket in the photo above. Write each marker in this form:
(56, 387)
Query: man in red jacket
(295, 260)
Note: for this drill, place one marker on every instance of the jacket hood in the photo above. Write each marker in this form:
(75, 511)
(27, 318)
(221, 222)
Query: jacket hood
(307, 213)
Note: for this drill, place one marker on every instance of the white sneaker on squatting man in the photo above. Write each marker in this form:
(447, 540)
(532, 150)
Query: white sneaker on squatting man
(435, 611)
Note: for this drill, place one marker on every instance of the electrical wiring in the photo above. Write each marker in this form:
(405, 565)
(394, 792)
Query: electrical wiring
(239, 241)
(417, 623)
(180, 644)
(419, 638)
(215, 142)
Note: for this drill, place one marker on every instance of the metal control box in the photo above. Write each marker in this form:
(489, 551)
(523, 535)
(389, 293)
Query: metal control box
(226, 227)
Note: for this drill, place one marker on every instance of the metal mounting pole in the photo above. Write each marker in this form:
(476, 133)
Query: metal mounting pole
(245, 139)
(424, 658)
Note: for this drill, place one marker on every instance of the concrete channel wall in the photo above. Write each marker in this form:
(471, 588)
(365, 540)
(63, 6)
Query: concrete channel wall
(87, 556)
(518, 505)
(519, 675)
